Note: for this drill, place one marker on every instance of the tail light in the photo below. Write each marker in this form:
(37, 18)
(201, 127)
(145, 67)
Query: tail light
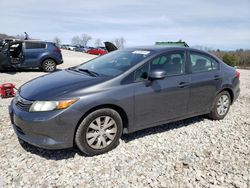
(57, 50)
(237, 74)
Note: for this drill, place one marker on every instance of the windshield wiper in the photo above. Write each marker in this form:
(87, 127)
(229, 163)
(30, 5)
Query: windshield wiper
(91, 73)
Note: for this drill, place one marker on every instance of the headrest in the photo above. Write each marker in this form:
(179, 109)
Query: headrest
(201, 62)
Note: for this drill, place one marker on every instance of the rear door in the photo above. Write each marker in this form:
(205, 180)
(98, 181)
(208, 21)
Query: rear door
(163, 99)
(32, 52)
(206, 79)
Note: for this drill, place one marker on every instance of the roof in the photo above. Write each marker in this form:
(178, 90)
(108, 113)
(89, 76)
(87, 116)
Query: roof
(36, 41)
(157, 48)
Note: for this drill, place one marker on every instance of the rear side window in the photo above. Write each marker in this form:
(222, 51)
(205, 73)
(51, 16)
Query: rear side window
(34, 45)
(202, 63)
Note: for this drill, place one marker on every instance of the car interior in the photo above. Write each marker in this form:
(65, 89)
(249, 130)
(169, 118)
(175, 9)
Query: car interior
(200, 65)
(15, 51)
(172, 64)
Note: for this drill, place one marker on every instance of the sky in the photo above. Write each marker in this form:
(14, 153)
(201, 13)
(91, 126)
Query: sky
(217, 24)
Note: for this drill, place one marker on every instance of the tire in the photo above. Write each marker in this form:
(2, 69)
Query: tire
(49, 65)
(91, 135)
(221, 106)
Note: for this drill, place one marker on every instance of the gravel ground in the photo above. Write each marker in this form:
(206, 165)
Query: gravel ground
(196, 152)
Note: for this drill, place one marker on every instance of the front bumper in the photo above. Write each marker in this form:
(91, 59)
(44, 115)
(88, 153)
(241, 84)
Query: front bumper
(48, 130)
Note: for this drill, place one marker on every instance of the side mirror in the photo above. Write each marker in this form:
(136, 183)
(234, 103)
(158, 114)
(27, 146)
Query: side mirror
(157, 75)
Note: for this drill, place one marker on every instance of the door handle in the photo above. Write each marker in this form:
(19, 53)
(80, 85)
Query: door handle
(183, 84)
(217, 77)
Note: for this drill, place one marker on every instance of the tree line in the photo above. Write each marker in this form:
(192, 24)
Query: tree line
(84, 39)
(239, 57)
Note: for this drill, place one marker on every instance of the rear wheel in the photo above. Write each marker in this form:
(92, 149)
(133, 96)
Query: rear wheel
(221, 106)
(49, 65)
(99, 132)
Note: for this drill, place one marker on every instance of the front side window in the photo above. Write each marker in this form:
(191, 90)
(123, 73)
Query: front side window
(142, 73)
(173, 63)
(202, 63)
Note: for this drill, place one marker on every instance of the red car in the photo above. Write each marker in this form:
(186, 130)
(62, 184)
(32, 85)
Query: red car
(97, 51)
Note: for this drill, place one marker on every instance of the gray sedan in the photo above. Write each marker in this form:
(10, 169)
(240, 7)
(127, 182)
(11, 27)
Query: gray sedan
(93, 104)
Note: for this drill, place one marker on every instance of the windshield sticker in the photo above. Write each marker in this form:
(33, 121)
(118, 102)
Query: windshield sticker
(142, 52)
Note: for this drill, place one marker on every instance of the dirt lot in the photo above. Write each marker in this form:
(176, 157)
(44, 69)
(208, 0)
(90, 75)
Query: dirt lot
(196, 152)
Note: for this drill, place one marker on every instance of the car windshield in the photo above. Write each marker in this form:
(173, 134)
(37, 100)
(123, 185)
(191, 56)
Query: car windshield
(115, 63)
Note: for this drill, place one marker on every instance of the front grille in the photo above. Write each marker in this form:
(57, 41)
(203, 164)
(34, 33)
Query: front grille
(23, 104)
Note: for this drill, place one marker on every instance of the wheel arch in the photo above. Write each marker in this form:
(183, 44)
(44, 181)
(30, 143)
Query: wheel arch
(118, 109)
(46, 58)
(230, 91)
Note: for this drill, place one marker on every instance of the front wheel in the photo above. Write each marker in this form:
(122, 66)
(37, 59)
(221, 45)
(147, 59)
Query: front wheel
(49, 65)
(221, 106)
(99, 132)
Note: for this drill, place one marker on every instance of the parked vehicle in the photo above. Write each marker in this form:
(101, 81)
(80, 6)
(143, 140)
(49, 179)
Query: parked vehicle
(87, 48)
(7, 40)
(69, 47)
(79, 49)
(64, 46)
(97, 51)
(4, 41)
(30, 54)
(93, 104)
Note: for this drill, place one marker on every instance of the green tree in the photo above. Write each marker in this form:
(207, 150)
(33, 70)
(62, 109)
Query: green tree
(230, 59)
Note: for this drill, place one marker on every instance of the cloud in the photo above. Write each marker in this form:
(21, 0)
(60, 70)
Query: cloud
(219, 24)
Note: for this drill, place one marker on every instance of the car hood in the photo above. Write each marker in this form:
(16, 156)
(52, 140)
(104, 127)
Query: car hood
(57, 85)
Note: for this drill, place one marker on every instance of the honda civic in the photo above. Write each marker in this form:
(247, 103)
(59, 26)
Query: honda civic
(91, 105)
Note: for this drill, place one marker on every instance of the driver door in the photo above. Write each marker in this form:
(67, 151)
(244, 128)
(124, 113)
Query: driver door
(161, 100)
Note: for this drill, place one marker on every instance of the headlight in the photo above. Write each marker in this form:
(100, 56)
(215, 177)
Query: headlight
(43, 106)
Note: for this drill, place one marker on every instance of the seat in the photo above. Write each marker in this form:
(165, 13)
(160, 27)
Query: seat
(174, 66)
(200, 65)
(15, 53)
(161, 63)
